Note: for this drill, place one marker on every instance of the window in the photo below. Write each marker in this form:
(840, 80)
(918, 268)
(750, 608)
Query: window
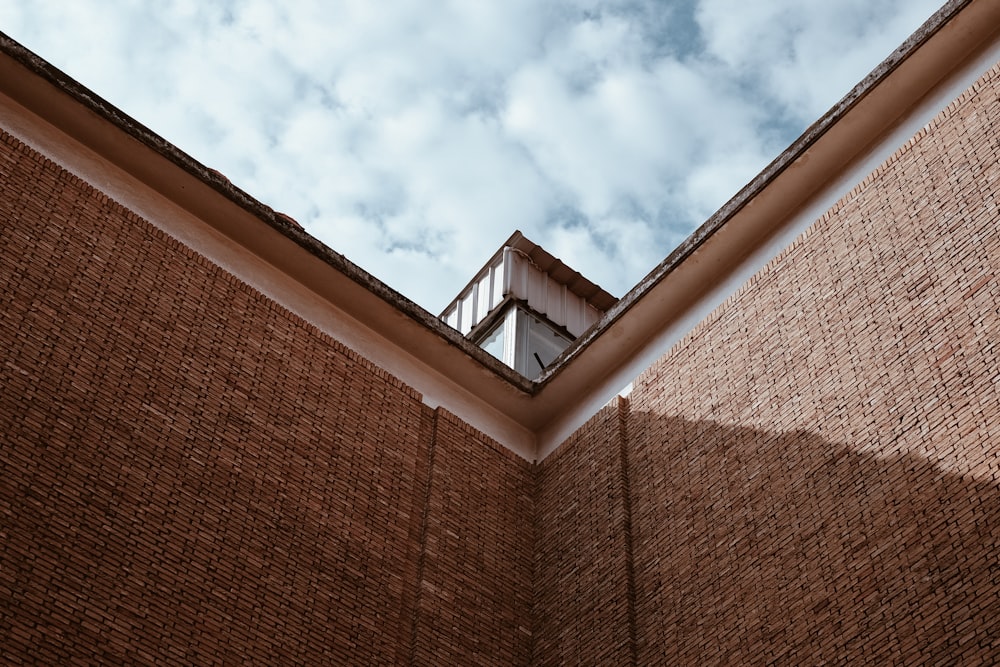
(542, 345)
(493, 341)
(525, 342)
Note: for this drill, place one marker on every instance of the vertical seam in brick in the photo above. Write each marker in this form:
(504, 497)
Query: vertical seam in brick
(418, 504)
(536, 473)
(623, 412)
(422, 557)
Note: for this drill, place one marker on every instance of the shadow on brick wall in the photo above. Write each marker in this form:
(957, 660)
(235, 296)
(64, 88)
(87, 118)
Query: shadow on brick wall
(753, 547)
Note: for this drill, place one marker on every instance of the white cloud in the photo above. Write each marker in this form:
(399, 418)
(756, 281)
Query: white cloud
(806, 55)
(414, 138)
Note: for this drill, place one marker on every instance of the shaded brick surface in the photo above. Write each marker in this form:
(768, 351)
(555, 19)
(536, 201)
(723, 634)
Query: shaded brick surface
(814, 469)
(475, 589)
(581, 607)
(190, 474)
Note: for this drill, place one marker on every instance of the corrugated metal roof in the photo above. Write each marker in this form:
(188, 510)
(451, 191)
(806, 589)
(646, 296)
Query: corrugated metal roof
(524, 271)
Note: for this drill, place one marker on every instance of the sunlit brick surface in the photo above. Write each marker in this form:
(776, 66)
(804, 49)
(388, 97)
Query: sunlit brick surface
(815, 468)
(813, 472)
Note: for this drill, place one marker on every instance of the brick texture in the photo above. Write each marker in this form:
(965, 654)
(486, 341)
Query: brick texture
(814, 469)
(582, 605)
(811, 476)
(475, 595)
(191, 474)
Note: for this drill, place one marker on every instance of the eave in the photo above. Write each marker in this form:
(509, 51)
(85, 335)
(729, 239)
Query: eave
(200, 207)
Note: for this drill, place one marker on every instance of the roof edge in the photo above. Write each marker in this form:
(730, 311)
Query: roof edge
(917, 81)
(759, 183)
(537, 414)
(220, 184)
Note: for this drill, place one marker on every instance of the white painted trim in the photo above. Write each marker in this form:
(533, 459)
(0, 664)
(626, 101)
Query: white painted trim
(435, 388)
(81, 133)
(621, 379)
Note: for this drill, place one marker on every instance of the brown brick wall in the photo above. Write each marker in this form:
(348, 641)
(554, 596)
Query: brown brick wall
(475, 594)
(582, 606)
(814, 469)
(190, 474)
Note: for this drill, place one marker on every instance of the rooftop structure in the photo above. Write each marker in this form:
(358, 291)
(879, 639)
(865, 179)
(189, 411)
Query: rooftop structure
(525, 306)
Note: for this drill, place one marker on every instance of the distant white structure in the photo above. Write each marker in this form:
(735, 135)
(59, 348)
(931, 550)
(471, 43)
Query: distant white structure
(525, 306)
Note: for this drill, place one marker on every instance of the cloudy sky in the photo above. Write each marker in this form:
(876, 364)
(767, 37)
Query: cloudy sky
(414, 137)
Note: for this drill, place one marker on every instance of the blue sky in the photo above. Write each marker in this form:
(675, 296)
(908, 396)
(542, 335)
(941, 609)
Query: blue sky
(414, 137)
